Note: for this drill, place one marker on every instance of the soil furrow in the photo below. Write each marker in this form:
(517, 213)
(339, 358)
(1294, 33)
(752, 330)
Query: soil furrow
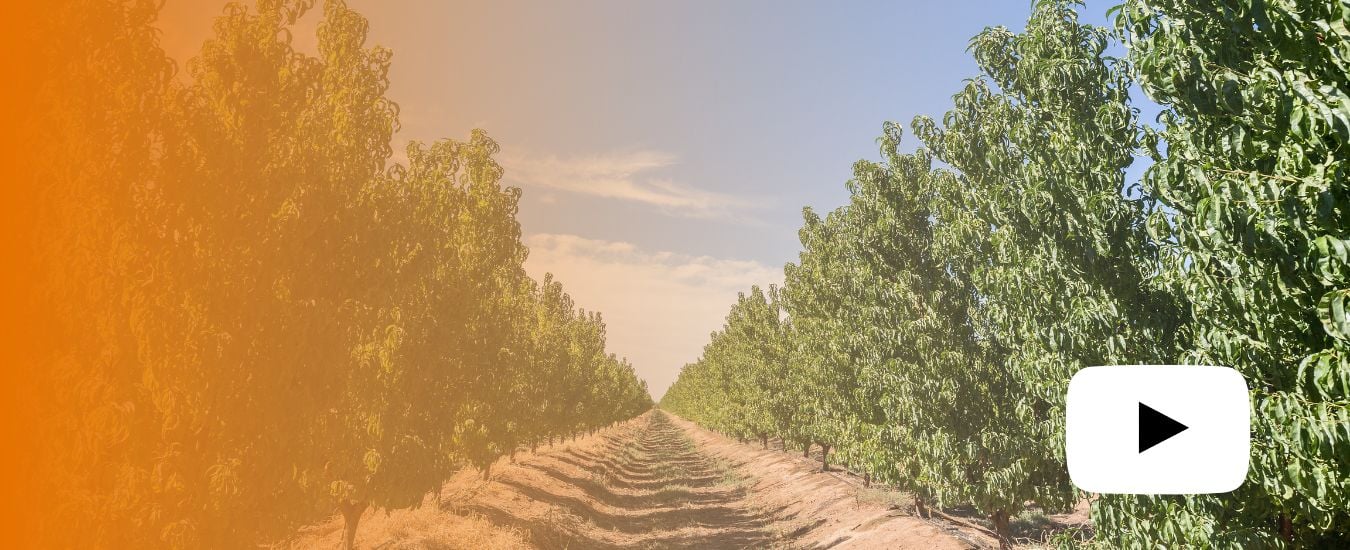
(653, 482)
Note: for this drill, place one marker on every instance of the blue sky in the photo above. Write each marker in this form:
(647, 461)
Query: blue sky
(666, 149)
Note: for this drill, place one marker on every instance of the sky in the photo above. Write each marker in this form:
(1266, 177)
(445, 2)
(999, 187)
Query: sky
(665, 149)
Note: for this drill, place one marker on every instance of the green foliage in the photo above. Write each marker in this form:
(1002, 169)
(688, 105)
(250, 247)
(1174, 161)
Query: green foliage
(939, 315)
(837, 407)
(910, 309)
(1042, 223)
(1251, 165)
(284, 322)
(739, 385)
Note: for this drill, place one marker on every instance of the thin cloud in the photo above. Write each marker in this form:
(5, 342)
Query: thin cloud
(659, 307)
(630, 176)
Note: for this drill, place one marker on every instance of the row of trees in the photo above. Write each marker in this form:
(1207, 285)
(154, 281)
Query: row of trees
(932, 324)
(243, 312)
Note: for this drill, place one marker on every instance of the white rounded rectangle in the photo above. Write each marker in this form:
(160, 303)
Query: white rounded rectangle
(1157, 429)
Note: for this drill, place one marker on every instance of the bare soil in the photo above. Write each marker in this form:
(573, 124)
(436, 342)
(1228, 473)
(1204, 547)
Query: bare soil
(656, 481)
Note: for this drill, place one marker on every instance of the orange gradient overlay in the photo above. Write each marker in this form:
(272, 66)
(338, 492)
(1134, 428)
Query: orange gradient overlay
(229, 312)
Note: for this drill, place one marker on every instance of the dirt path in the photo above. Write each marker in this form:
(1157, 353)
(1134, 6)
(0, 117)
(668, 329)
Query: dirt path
(653, 482)
(830, 509)
(653, 489)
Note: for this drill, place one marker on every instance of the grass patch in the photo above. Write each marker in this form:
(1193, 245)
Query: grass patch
(667, 470)
(732, 478)
(729, 475)
(883, 497)
(673, 490)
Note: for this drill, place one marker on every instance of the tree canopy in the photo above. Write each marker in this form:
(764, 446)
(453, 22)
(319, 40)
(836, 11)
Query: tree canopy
(939, 315)
(252, 315)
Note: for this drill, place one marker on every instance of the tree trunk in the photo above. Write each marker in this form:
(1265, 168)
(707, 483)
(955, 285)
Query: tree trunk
(920, 508)
(351, 516)
(824, 458)
(806, 450)
(487, 471)
(1001, 527)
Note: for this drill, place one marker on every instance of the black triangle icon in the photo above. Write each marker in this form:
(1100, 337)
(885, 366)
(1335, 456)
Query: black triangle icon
(1156, 427)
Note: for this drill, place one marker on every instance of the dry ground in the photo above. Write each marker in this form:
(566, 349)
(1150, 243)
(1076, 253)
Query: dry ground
(655, 482)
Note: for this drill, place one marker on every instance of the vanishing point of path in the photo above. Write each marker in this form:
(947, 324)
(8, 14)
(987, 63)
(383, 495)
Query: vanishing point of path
(651, 489)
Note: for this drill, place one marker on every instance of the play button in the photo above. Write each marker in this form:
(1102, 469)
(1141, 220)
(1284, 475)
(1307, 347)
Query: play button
(1157, 429)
